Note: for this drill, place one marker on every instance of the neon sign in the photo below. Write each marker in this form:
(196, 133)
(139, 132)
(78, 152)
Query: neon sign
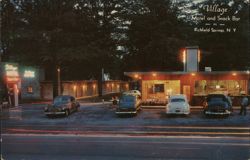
(29, 74)
(11, 70)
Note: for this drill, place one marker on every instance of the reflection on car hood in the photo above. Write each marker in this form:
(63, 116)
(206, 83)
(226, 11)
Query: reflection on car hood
(217, 103)
(59, 104)
(177, 104)
(126, 104)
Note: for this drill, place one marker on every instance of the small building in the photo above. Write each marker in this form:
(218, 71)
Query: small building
(83, 88)
(156, 87)
(30, 82)
(19, 82)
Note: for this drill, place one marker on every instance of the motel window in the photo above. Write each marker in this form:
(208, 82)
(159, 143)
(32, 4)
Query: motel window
(233, 87)
(155, 88)
(159, 88)
(29, 89)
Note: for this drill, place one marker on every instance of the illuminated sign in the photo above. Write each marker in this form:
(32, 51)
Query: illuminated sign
(11, 70)
(29, 74)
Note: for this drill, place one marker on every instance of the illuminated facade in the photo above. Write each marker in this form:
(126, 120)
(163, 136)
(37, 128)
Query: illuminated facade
(158, 86)
(21, 81)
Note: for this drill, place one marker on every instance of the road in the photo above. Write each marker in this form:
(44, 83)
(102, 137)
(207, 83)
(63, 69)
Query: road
(97, 133)
(77, 147)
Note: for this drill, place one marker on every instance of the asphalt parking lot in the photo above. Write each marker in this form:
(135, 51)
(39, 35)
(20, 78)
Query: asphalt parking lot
(104, 114)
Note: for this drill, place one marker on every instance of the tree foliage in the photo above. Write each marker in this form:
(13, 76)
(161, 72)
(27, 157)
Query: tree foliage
(83, 36)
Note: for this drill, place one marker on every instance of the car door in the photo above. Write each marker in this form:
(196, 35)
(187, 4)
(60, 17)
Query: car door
(73, 103)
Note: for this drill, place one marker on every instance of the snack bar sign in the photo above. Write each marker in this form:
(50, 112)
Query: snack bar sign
(11, 72)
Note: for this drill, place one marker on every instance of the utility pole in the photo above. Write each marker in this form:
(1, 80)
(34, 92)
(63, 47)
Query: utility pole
(59, 80)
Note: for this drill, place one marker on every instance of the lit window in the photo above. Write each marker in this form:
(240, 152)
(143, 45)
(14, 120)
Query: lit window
(29, 89)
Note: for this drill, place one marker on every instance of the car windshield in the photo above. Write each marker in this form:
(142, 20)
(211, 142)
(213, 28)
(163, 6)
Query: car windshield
(127, 98)
(177, 100)
(61, 99)
(216, 98)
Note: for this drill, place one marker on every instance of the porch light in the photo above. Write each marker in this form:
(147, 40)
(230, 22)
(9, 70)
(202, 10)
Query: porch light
(154, 74)
(193, 74)
(74, 87)
(83, 86)
(126, 85)
(136, 75)
(234, 74)
(217, 86)
(94, 86)
(199, 55)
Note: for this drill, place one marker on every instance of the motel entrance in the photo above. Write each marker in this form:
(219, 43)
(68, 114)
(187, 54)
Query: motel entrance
(158, 91)
(156, 87)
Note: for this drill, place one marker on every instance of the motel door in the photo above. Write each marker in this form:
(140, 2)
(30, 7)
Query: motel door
(186, 91)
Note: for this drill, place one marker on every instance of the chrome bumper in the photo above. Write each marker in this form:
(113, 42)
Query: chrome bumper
(218, 113)
(186, 113)
(54, 113)
(125, 112)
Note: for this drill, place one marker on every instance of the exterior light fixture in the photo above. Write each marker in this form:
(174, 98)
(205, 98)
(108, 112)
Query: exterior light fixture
(74, 87)
(118, 86)
(136, 75)
(126, 85)
(199, 55)
(154, 74)
(184, 54)
(234, 74)
(83, 86)
(107, 85)
(192, 74)
(94, 86)
(217, 86)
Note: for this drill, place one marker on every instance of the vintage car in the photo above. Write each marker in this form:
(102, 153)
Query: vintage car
(217, 104)
(128, 104)
(133, 92)
(62, 105)
(178, 104)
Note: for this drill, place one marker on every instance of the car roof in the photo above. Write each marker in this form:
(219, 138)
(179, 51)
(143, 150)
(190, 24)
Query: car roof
(128, 95)
(217, 94)
(67, 96)
(178, 96)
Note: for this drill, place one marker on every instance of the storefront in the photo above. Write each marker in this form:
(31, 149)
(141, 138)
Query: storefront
(156, 87)
(19, 83)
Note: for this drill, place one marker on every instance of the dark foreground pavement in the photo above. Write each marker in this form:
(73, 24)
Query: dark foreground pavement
(72, 147)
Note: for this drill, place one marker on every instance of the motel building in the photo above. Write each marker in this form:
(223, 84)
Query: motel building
(19, 82)
(156, 87)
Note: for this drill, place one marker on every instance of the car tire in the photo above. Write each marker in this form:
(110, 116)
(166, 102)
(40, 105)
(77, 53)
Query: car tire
(49, 116)
(66, 113)
(78, 109)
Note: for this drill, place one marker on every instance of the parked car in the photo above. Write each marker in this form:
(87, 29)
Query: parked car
(128, 104)
(178, 104)
(62, 105)
(217, 104)
(133, 92)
